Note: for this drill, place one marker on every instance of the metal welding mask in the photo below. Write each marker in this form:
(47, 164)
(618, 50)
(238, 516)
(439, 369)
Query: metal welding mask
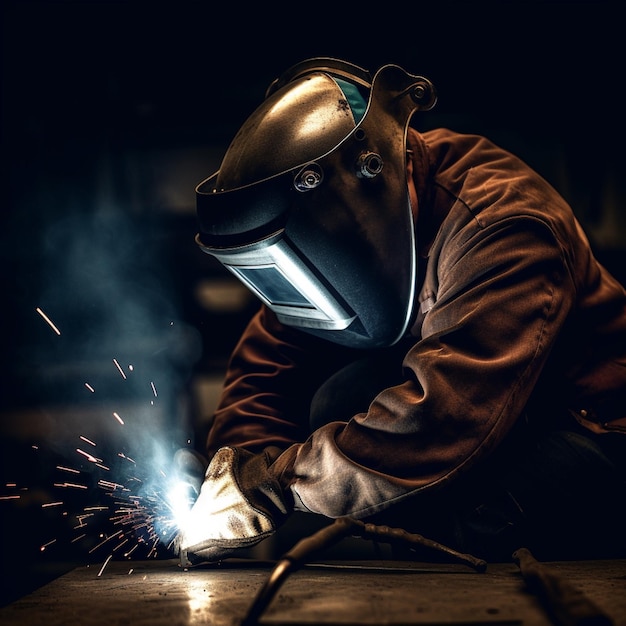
(310, 207)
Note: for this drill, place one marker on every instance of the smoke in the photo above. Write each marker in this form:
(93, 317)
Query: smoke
(107, 283)
(110, 386)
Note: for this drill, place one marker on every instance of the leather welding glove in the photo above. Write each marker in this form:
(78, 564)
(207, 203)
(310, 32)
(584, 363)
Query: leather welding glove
(241, 502)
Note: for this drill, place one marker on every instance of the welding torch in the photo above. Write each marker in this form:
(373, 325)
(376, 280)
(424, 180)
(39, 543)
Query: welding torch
(564, 603)
(328, 536)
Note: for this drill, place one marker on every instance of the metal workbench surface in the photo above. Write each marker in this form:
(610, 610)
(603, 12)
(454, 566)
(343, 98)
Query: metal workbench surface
(331, 592)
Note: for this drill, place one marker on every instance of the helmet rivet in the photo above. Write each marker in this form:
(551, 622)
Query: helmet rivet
(369, 165)
(419, 92)
(423, 94)
(309, 177)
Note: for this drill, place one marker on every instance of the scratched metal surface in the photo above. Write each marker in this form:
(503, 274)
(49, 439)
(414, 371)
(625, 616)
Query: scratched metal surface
(340, 592)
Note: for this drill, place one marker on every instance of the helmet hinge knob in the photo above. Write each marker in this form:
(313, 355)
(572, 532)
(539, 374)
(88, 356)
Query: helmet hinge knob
(369, 165)
(423, 94)
(309, 177)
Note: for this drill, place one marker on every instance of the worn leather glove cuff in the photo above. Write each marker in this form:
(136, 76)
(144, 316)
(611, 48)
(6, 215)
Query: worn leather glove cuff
(281, 469)
(260, 482)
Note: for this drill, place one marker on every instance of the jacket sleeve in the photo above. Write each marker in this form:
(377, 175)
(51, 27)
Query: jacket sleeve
(493, 301)
(270, 380)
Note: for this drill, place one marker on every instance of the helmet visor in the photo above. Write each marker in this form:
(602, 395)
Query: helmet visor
(275, 272)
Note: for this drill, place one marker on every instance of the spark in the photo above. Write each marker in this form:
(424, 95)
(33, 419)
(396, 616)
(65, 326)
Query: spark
(64, 485)
(142, 516)
(119, 367)
(119, 545)
(107, 539)
(45, 545)
(127, 554)
(110, 485)
(54, 328)
(91, 458)
(105, 564)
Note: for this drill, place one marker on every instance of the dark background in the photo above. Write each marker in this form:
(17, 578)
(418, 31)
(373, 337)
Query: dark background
(113, 111)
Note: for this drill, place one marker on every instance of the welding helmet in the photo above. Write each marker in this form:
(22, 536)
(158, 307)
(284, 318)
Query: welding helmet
(310, 207)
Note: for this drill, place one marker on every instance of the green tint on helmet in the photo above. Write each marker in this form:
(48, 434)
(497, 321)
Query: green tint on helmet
(357, 102)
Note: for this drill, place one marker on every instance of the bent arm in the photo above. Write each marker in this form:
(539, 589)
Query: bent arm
(500, 300)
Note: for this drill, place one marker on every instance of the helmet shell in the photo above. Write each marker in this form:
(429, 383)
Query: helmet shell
(299, 123)
(331, 182)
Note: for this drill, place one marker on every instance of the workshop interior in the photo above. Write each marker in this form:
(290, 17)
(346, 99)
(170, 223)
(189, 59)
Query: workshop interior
(116, 327)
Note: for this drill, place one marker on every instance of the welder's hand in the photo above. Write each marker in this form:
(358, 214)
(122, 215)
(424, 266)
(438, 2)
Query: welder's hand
(241, 502)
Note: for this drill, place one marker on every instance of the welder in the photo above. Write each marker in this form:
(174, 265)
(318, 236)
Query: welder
(436, 346)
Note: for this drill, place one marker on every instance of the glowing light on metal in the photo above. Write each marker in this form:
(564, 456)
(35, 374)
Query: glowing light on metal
(51, 324)
(90, 388)
(118, 418)
(200, 594)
